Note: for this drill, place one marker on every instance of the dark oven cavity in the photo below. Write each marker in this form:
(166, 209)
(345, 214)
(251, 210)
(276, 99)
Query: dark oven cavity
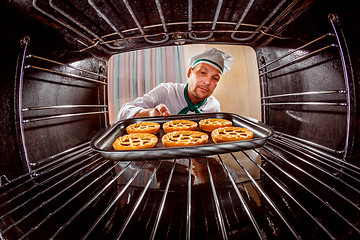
(303, 183)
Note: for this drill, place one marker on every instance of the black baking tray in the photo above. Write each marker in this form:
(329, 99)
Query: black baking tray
(103, 140)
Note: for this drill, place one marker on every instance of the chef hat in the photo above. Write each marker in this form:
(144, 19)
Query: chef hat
(215, 58)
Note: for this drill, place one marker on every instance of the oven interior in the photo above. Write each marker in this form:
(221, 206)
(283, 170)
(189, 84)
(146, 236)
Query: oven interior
(302, 184)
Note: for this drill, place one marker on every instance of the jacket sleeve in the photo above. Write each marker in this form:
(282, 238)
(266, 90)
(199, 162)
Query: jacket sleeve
(149, 100)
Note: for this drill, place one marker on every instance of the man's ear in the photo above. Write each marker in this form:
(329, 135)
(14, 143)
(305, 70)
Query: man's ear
(189, 72)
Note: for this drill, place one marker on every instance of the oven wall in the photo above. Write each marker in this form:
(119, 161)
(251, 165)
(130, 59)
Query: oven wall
(46, 136)
(321, 124)
(42, 138)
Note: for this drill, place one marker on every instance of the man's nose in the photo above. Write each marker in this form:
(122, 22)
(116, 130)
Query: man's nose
(207, 80)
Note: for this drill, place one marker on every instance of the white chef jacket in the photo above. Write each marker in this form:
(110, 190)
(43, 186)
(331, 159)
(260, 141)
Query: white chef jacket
(170, 94)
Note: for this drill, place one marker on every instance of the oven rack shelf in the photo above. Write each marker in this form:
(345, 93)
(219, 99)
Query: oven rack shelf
(75, 76)
(270, 188)
(264, 73)
(67, 66)
(36, 119)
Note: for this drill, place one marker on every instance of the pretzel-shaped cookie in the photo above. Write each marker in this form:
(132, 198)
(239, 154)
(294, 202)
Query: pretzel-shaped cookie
(143, 127)
(135, 141)
(211, 124)
(229, 134)
(179, 125)
(184, 138)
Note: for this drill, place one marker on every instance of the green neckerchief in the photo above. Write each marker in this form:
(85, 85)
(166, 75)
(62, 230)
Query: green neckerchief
(190, 107)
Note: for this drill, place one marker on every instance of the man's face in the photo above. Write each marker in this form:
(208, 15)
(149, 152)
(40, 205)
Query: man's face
(203, 80)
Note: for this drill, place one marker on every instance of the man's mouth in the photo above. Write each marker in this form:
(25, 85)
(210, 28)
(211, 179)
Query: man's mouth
(204, 89)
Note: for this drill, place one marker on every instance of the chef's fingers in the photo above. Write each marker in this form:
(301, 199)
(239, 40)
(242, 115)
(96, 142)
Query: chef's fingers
(162, 110)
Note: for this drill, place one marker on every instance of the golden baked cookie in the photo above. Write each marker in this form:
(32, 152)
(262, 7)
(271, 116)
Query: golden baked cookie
(229, 134)
(143, 127)
(184, 138)
(179, 125)
(135, 141)
(210, 124)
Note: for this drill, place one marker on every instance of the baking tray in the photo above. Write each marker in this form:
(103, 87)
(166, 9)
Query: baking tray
(103, 140)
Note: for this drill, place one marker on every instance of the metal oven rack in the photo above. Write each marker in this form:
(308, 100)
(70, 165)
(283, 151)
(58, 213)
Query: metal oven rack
(256, 194)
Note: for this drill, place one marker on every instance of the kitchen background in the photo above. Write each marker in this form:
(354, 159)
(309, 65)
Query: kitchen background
(132, 74)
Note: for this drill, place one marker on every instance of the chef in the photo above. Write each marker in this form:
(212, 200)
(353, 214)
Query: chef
(195, 96)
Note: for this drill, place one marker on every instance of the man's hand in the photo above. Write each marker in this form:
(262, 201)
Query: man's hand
(159, 110)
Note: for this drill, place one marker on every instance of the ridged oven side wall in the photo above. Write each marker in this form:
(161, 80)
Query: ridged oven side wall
(40, 87)
(310, 79)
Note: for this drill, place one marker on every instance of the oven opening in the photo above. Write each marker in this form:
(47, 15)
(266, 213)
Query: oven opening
(134, 73)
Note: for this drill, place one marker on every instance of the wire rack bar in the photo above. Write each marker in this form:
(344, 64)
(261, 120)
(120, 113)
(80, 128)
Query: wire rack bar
(27, 177)
(324, 201)
(63, 116)
(161, 15)
(309, 143)
(335, 166)
(65, 74)
(340, 163)
(298, 59)
(62, 107)
(37, 185)
(109, 206)
(112, 45)
(78, 193)
(243, 202)
(61, 155)
(130, 30)
(305, 94)
(353, 204)
(297, 49)
(216, 200)
(35, 174)
(268, 199)
(309, 163)
(327, 172)
(73, 197)
(306, 103)
(282, 188)
(279, 17)
(162, 203)
(139, 200)
(188, 203)
(37, 208)
(66, 65)
(91, 200)
(315, 152)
